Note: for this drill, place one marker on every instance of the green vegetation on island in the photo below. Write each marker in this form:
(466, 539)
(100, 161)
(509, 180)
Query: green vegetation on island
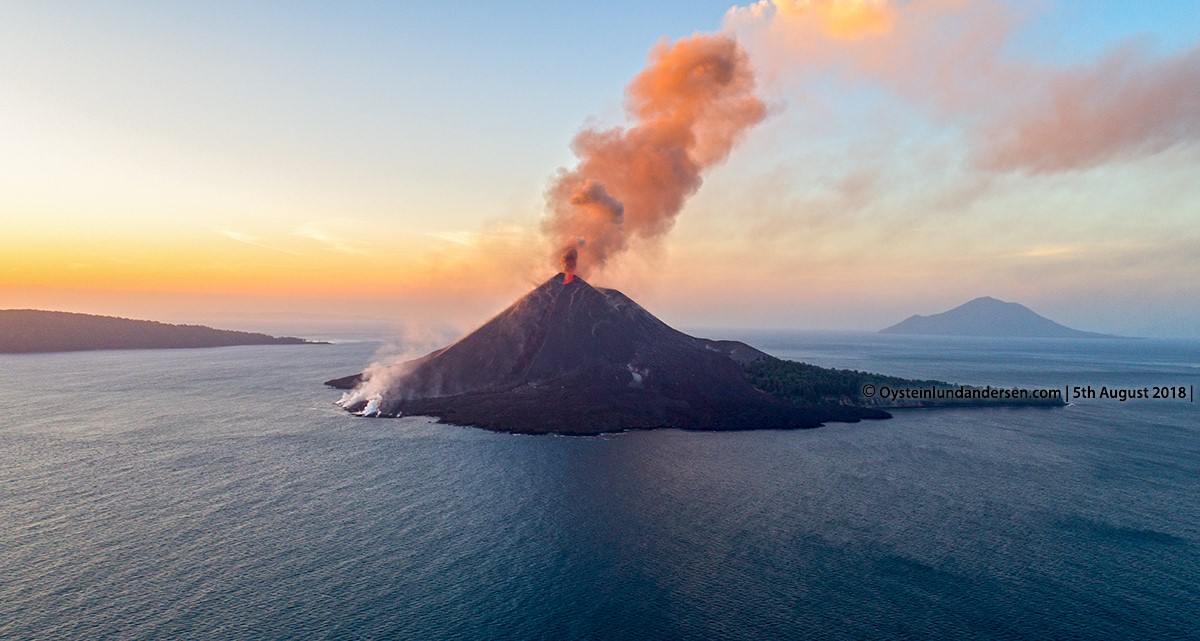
(803, 383)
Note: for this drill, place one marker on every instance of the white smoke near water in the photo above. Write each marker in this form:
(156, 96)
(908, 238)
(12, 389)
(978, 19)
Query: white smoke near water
(383, 378)
(378, 379)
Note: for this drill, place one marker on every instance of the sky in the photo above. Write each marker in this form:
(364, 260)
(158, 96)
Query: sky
(283, 166)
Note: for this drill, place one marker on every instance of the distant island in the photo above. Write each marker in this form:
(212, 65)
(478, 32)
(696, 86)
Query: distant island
(27, 331)
(569, 358)
(986, 316)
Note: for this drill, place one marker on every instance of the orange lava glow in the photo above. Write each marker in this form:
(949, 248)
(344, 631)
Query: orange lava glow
(569, 259)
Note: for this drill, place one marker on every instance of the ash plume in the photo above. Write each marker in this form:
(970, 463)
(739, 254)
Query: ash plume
(687, 108)
(593, 194)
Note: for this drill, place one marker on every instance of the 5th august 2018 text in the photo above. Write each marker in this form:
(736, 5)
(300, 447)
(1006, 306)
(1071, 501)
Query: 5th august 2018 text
(1068, 393)
(1153, 392)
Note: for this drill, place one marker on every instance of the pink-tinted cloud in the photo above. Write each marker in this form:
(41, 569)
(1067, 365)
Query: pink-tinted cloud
(949, 58)
(1126, 105)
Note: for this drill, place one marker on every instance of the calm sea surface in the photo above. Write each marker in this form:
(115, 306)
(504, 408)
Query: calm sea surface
(218, 494)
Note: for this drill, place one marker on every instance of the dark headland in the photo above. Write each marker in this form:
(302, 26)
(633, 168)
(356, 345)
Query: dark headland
(988, 317)
(27, 331)
(569, 358)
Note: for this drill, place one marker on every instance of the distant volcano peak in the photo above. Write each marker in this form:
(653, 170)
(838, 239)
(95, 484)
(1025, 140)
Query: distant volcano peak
(987, 316)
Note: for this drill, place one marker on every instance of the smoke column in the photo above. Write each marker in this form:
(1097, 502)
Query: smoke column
(687, 109)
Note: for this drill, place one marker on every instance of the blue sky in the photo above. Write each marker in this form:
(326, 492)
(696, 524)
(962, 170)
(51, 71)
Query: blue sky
(242, 155)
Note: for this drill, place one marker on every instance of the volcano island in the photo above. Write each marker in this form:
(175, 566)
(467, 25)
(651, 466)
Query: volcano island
(570, 358)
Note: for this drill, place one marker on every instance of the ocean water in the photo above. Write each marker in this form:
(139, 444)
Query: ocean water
(218, 494)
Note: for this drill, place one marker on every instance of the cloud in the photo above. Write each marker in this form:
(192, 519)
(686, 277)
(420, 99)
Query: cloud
(847, 19)
(454, 237)
(319, 231)
(1124, 106)
(952, 60)
(249, 239)
(1049, 251)
(238, 236)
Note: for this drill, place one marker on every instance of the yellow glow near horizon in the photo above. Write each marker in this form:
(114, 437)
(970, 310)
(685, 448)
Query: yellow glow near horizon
(305, 262)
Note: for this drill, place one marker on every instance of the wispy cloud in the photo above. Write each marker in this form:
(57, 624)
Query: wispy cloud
(250, 239)
(1050, 251)
(455, 237)
(323, 231)
(491, 235)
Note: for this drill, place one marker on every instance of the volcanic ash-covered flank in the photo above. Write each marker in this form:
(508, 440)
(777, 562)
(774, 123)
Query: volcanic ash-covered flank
(575, 359)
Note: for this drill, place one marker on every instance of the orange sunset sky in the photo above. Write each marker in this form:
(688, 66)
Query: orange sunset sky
(283, 168)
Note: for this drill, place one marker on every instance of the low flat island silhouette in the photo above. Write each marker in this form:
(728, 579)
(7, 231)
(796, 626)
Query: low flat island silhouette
(27, 331)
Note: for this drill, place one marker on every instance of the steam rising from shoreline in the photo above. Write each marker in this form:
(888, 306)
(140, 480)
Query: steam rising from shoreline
(383, 378)
(689, 107)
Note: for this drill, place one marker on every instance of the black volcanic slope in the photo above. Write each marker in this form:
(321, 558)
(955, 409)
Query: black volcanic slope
(987, 316)
(575, 359)
(29, 331)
